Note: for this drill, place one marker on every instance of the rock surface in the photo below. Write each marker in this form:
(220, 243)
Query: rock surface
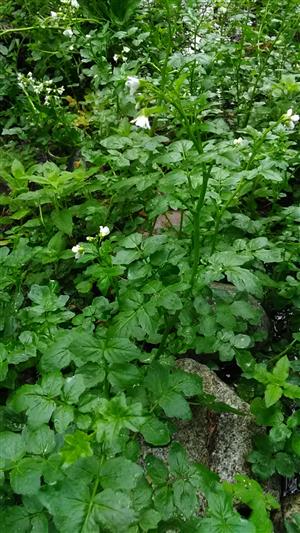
(229, 434)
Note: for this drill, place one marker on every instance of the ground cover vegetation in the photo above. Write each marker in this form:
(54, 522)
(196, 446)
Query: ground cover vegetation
(149, 152)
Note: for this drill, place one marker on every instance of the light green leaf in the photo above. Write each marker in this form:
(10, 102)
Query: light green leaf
(273, 393)
(281, 369)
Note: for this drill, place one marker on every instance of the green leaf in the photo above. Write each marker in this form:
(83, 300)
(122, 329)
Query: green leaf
(291, 391)
(295, 441)
(185, 497)
(76, 446)
(40, 441)
(284, 464)
(62, 417)
(15, 519)
(17, 169)
(124, 376)
(155, 432)
(63, 220)
(266, 416)
(116, 414)
(174, 405)
(149, 519)
(132, 241)
(244, 280)
(178, 460)
(241, 341)
(163, 501)
(56, 356)
(273, 393)
(281, 369)
(156, 470)
(125, 257)
(119, 473)
(169, 299)
(188, 384)
(113, 509)
(12, 447)
(73, 388)
(25, 477)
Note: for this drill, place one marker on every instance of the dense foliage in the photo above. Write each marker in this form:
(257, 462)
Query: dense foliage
(149, 163)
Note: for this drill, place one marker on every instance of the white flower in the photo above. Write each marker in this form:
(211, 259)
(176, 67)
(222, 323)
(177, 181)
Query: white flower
(74, 4)
(68, 32)
(115, 58)
(78, 251)
(133, 84)
(141, 122)
(238, 141)
(104, 231)
(53, 14)
(291, 118)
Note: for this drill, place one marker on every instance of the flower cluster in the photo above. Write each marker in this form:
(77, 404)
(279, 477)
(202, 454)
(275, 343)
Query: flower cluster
(79, 250)
(45, 88)
(67, 10)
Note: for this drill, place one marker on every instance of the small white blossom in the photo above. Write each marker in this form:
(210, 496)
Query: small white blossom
(53, 14)
(74, 4)
(90, 239)
(68, 32)
(291, 118)
(142, 122)
(78, 251)
(133, 84)
(104, 231)
(115, 58)
(239, 140)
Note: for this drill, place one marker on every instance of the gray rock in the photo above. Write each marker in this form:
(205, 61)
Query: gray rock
(229, 435)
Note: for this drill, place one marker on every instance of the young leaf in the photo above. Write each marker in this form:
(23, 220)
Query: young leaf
(273, 393)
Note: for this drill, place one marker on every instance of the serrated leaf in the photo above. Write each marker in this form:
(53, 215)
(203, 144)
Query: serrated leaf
(149, 519)
(113, 509)
(76, 446)
(73, 388)
(119, 473)
(174, 405)
(156, 470)
(62, 417)
(12, 447)
(273, 393)
(25, 477)
(244, 280)
(185, 497)
(155, 432)
(281, 369)
(40, 441)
